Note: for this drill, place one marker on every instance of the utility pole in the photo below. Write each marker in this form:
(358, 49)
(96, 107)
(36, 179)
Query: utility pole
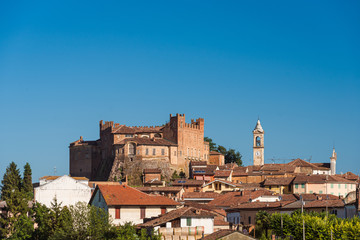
(282, 233)
(302, 213)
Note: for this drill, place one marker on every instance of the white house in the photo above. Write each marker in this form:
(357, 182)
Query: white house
(185, 218)
(67, 190)
(127, 204)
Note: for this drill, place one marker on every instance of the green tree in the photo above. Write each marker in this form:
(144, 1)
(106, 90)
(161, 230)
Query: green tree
(212, 145)
(232, 156)
(262, 222)
(27, 182)
(221, 150)
(16, 203)
(182, 174)
(175, 175)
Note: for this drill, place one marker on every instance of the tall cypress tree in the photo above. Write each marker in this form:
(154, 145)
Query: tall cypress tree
(16, 201)
(11, 182)
(27, 182)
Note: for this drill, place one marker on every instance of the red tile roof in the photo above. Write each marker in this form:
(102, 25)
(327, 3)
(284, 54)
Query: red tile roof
(225, 232)
(222, 173)
(178, 213)
(120, 195)
(230, 198)
(201, 195)
(187, 182)
(320, 179)
(282, 181)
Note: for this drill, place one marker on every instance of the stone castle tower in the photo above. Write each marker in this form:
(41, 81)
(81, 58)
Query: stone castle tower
(258, 146)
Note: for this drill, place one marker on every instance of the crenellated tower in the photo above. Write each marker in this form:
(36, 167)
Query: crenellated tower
(258, 145)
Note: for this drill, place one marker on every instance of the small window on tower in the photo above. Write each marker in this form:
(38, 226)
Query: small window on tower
(258, 141)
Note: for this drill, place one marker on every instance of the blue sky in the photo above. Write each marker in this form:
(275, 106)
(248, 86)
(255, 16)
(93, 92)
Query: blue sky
(66, 65)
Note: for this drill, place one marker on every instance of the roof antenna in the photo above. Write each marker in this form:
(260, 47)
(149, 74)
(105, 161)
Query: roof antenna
(55, 171)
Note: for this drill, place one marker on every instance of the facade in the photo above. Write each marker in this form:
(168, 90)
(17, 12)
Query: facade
(258, 144)
(127, 204)
(67, 190)
(169, 147)
(216, 158)
(323, 184)
(186, 218)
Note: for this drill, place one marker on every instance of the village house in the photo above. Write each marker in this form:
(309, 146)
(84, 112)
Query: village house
(127, 204)
(216, 158)
(200, 197)
(327, 184)
(279, 185)
(220, 186)
(182, 221)
(67, 190)
(189, 185)
(174, 193)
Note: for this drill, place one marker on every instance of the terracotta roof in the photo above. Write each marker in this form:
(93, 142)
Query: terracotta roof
(222, 173)
(208, 170)
(220, 222)
(215, 153)
(289, 197)
(230, 198)
(228, 166)
(154, 182)
(223, 181)
(201, 195)
(316, 196)
(159, 189)
(260, 205)
(198, 163)
(320, 178)
(56, 177)
(301, 163)
(147, 141)
(122, 129)
(120, 195)
(187, 182)
(178, 213)
(152, 170)
(223, 233)
(324, 203)
(95, 183)
(322, 165)
(278, 181)
(239, 174)
(349, 176)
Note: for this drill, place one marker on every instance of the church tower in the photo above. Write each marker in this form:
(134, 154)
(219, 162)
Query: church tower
(333, 159)
(258, 148)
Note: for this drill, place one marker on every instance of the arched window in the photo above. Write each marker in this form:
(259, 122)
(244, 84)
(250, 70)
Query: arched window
(258, 141)
(157, 135)
(132, 149)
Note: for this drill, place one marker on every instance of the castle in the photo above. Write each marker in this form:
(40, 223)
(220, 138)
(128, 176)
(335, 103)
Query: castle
(123, 150)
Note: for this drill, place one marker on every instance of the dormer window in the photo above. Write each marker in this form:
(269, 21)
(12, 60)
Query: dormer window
(129, 135)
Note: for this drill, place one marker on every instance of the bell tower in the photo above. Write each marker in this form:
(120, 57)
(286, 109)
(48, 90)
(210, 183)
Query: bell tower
(333, 159)
(258, 147)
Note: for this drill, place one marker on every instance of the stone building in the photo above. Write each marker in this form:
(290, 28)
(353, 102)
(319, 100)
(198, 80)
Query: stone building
(123, 150)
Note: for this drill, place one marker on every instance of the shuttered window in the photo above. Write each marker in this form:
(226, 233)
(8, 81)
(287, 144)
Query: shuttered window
(117, 213)
(142, 212)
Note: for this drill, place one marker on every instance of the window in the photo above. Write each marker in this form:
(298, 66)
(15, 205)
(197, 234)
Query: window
(332, 185)
(303, 185)
(296, 185)
(117, 213)
(142, 212)
(174, 153)
(210, 186)
(311, 191)
(147, 151)
(180, 153)
(129, 135)
(132, 149)
(162, 151)
(339, 186)
(345, 186)
(249, 220)
(320, 192)
(154, 151)
(258, 141)
(188, 222)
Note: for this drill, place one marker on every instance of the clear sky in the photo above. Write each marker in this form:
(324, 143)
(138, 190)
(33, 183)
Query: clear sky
(65, 65)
